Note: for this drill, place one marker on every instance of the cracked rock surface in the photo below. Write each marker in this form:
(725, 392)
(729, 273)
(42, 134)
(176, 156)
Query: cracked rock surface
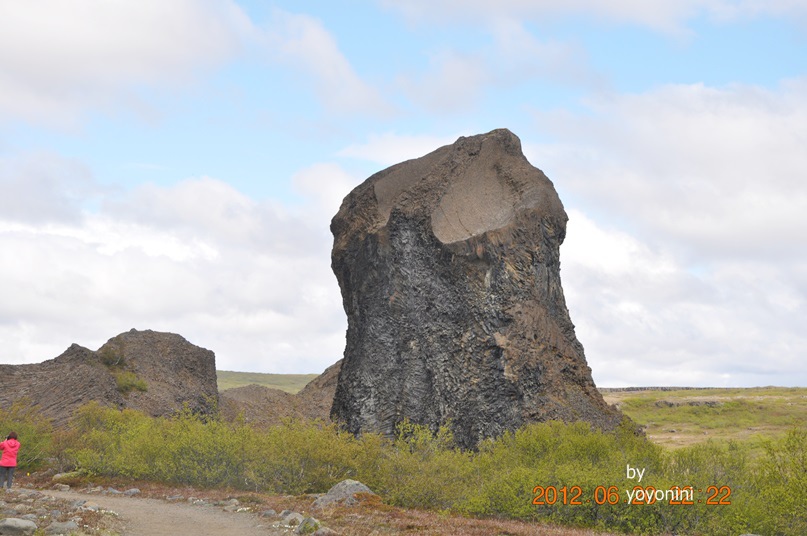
(449, 268)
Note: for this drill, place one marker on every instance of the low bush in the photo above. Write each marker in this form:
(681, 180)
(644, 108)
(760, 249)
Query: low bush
(33, 431)
(128, 381)
(569, 474)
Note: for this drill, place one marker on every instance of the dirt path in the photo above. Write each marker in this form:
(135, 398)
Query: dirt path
(152, 517)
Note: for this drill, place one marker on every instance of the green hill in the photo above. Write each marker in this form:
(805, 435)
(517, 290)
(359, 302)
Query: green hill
(291, 383)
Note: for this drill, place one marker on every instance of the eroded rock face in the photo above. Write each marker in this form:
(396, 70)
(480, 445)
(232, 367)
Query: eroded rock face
(450, 276)
(176, 372)
(173, 372)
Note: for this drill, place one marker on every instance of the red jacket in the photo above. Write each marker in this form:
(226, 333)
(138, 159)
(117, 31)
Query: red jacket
(9, 448)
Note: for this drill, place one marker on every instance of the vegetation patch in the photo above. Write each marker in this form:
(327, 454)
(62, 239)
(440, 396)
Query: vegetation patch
(290, 383)
(111, 356)
(128, 381)
(548, 473)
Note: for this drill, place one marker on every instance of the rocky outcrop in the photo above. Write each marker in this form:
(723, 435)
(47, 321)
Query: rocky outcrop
(317, 395)
(59, 386)
(449, 268)
(264, 406)
(154, 372)
(177, 373)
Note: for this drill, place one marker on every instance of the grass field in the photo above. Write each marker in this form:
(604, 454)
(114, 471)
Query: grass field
(291, 383)
(683, 417)
(673, 418)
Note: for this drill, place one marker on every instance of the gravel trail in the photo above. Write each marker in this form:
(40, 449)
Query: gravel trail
(153, 517)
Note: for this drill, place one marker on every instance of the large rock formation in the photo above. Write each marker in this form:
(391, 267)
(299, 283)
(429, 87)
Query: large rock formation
(158, 373)
(450, 275)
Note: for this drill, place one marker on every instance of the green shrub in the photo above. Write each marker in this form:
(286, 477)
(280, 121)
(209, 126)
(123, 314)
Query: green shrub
(781, 492)
(33, 431)
(420, 468)
(128, 381)
(111, 357)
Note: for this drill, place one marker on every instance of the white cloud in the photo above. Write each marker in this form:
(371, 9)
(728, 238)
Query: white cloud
(718, 171)
(456, 80)
(645, 318)
(43, 186)
(249, 280)
(61, 59)
(326, 184)
(390, 148)
(699, 278)
(663, 15)
(304, 43)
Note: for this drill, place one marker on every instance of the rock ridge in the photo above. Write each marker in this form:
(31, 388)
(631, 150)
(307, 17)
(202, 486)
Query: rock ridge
(154, 372)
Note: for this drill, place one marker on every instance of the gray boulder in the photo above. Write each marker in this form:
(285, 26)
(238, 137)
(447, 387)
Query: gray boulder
(292, 519)
(343, 493)
(13, 526)
(58, 528)
(309, 525)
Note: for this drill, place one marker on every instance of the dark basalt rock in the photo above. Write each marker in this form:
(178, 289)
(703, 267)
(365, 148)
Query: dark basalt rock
(174, 373)
(450, 276)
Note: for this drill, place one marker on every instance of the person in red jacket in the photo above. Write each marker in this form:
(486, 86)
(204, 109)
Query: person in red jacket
(8, 462)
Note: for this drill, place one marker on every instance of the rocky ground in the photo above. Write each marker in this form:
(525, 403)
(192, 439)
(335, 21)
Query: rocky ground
(152, 510)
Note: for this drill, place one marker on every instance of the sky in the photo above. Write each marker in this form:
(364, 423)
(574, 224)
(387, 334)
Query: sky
(174, 165)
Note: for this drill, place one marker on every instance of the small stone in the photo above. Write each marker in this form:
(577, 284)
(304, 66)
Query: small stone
(91, 506)
(65, 528)
(61, 487)
(308, 525)
(292, 519)
(325, 531)
(268, 513)
(66, 476)
(131, 492)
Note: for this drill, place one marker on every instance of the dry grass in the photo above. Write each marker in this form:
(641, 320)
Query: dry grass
(685, 417)
(371, 520)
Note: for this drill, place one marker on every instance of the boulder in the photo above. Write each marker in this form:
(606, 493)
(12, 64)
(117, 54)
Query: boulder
(449, 267)
(13, 526)
(62, 528)
(343, 493)
(309, 525)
